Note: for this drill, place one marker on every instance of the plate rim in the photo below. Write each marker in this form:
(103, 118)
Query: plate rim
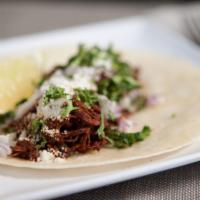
(114, 177)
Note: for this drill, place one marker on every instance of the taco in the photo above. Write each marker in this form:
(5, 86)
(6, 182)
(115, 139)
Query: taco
(98, 109)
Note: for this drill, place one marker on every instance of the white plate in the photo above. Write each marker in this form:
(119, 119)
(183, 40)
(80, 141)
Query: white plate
(131, 33)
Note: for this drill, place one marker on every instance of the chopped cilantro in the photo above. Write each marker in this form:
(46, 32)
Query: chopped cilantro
(8, 129)
(53, 93)
(84, 56)
(122, 81)
(40, 83)
(21, 102)
(42, 143)
(100, 130)
(89, 97)
(111, 116)
(6, 116)
(11, 113)
(66, 110)
(115, 87)
(35, 131)
(121, 140)
(143, 133)
(36, 126)
(88, 56)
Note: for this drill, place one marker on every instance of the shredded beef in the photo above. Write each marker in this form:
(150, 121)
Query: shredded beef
(76, 133)
(87, 116)
(26, 150)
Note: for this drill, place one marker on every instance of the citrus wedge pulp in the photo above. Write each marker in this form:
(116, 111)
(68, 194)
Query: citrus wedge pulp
(18, 79)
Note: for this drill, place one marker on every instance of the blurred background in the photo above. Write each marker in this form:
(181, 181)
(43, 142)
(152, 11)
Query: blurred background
(27, 17)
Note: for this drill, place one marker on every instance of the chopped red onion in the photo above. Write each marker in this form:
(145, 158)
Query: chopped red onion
(109, 106)
(126, 125)
(125, 102)
(152, 100)
(5, 143)
(4, 149)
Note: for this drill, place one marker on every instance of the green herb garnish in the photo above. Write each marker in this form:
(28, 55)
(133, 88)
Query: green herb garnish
(8, 129)
(122, 140)
(6, 116)
(21, 102)
(42, 143)
(88, 56)
(100, 130)
(115, 87)
(143, 133)
(85, 56)
(40, 83)
(36, 126)
(89, 97)
(10, 114)
(66, 110)
(53, 93)
(36, 132)
(111, 116)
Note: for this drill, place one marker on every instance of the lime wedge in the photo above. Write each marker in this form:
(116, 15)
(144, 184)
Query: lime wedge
(18, 79)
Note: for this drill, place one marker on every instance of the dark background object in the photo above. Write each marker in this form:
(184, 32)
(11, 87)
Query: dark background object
(138, 1)
(20, 17)
(178, 184)
(27, 17)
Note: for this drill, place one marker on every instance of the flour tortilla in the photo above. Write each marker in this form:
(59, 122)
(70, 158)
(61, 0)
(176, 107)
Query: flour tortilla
(175, 120)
